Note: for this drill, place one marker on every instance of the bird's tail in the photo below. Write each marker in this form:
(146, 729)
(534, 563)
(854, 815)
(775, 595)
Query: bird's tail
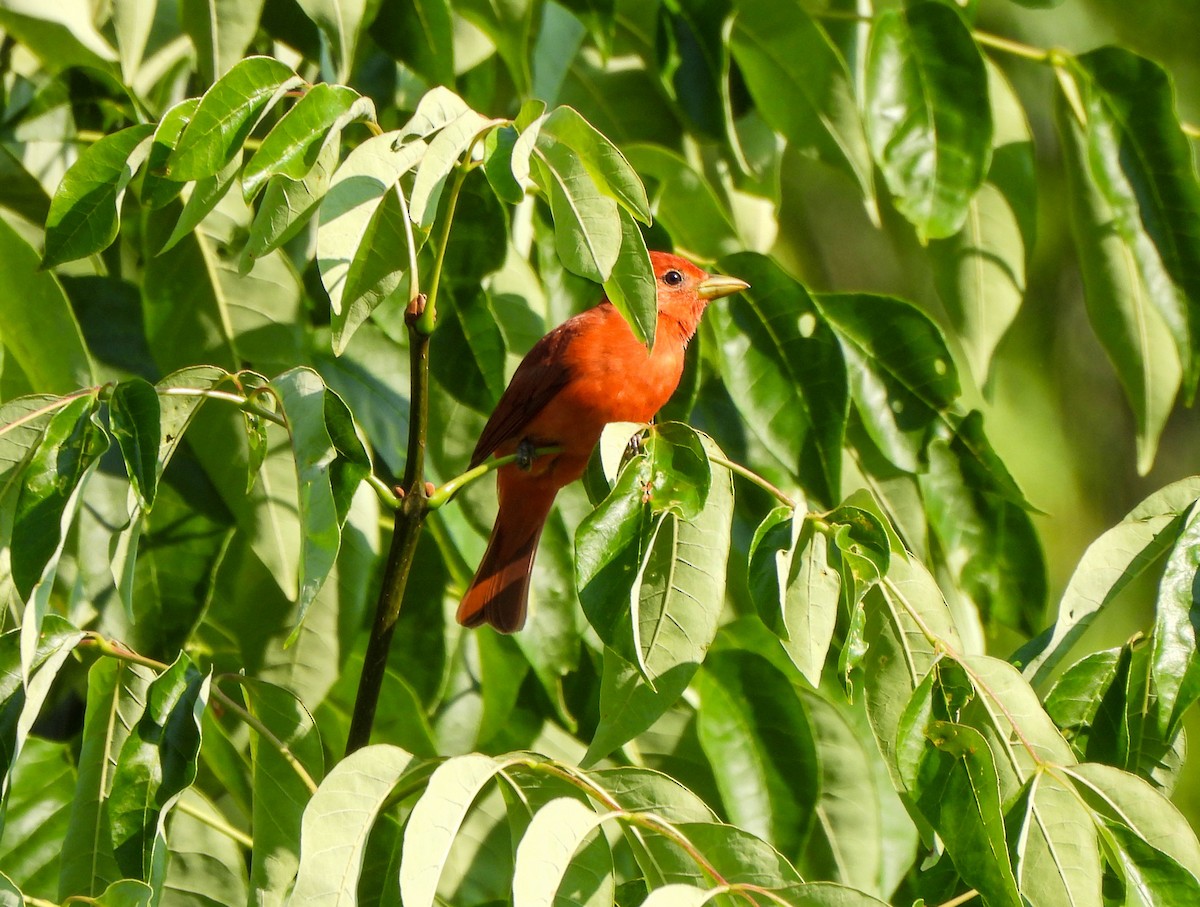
(500, 591)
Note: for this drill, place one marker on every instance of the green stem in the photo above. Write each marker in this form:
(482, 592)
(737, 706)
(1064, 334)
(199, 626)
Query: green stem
(242, 402)
(739, 469)
(216, 823)
(265, 733)
(387, 497)
(428, 318)
(960, 899)
(446, 493)
(1016, 48)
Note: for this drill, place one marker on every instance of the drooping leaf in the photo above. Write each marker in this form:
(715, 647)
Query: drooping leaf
(815, 108)
(341, 23)
(280, 794)
(587, 227)
(358, 187)
(928, 119)
(68, 452)
(330, 462)
(421, 34)
(654, 544)
(115, 702)
(783, 367)
(1142, 165)
(980, 271)
(288, 205)
(755, 733)
(900, 371)
(134, 417)
(1123, 309)
(155, 189)
(156, 764)
(39, 803)
(84, 213)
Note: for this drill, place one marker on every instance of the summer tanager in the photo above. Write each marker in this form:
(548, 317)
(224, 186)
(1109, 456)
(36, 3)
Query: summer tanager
(587, 372)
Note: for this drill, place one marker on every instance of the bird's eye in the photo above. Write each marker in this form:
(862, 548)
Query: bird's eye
(672, 278)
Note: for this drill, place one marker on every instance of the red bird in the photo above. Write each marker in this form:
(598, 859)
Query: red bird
(587, 372)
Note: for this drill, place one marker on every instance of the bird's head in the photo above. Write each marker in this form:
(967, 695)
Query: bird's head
(684, 289)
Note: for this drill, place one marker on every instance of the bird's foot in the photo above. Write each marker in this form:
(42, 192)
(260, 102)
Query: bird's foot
(526, 453)
(635, 444)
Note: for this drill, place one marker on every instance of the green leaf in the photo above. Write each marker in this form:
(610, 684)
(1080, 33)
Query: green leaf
(133, 21)
(346, 216)
(436, 820)
(547, 871)
(226, 115)
(981, 270)
(206, 865)
(288, 205)
(632, 287)
(421, 34)
(294, 144)
(509, 24)
(901, 373)
(280, 794)
(156, 190)
(990, 544)
(341, 23)
(376, 273)
(134, 418)
(440, 159)
(1150, 876)
(50, 484)
(116, 697)
(206, 194)
(1175, 667)
(21, 700)
(467, 352)
(1121, 306)
(928, 119)
(608, 168)
(156, 764)
(20, 192)
(1121, 798)
(656, 543)
(785, 371)
(740, 857)
(84, 213)
(795, 588)
(802, 86)
(221, 31)
(1054, 848)
(330, 462)
(1142, 164)
(338, 820)
(40, 330)
(587, 227)
(498, 147)
(954, 786)
(903, 613)
(757, 738)
(1108, 565)
(685, 204)
(10, 894)
(36, 817)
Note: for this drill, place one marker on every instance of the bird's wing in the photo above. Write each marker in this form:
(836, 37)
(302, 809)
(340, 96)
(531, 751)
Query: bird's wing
(540, 376)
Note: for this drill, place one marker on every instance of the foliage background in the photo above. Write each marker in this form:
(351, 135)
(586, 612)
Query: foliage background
(1054, 409)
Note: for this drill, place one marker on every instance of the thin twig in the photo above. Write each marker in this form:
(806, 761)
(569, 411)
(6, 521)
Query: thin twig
(217, 824)
(446, 493)
(739, 469)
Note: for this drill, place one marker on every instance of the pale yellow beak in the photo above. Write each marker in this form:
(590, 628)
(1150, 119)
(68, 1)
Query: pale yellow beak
(717, 285)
